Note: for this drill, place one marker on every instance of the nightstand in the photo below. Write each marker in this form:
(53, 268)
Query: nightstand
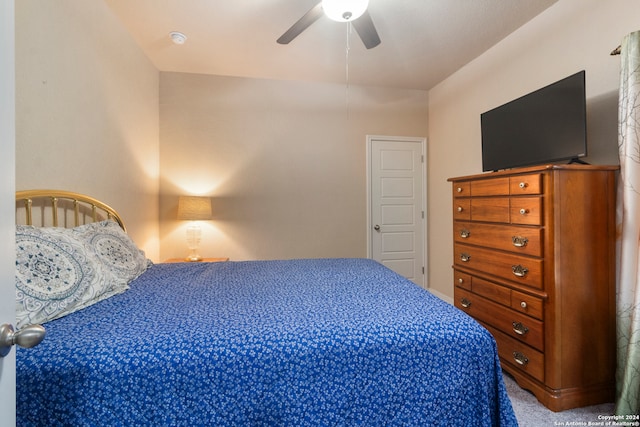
(171, 260)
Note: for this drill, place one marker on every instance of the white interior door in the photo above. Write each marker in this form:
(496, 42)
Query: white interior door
(7, 206)
(396, 220)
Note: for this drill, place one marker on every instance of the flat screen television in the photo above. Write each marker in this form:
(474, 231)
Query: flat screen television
(544, 126)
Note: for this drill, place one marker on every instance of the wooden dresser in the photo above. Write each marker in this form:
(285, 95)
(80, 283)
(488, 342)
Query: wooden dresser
(534, 262)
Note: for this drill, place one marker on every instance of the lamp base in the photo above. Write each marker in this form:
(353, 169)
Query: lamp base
(193, 241)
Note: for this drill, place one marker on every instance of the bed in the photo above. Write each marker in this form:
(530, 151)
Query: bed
(318, 342)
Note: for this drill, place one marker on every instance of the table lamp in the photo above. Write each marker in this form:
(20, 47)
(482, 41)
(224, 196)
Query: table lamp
(194, 209)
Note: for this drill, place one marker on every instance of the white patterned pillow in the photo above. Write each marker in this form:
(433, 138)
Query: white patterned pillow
(59, 270)
(114, 250)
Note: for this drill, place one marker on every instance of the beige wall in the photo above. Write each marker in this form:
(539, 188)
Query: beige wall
(570, 36)
(87, 110)
(283, 161)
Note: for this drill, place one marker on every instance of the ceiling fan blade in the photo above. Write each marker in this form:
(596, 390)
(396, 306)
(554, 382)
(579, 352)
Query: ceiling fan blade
(366, 30)
(302, 24)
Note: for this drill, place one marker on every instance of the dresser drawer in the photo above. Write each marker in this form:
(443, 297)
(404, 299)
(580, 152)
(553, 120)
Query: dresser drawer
(518, 355)
(507, 210)
(491, 291)
(518, 301)
(490, 209)
(516, 325)
(462, 280)
(527, 304)
(525, 210)
(522, 240)
(462, 209)
(490, 187)
(461, 189)
(523, 270)
(525, 184)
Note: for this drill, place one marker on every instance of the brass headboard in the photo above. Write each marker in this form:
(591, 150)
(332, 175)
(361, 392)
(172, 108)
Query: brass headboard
(56, 208)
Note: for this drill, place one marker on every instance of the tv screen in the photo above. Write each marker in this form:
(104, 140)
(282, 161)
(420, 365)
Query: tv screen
(544, 126)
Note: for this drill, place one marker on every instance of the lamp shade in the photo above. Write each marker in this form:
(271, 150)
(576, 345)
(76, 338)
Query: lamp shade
(194, 208)
(344, 10)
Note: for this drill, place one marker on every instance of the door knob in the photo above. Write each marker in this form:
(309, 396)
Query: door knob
(376, 227)
(27, 337)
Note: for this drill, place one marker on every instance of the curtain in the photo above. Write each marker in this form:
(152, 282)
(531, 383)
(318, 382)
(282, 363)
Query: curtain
(628, 222)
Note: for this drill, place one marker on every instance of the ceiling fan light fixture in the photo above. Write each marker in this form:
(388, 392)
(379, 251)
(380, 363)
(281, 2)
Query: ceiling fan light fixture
(344, 10)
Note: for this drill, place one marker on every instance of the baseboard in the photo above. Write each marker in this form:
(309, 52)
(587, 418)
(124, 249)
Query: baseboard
(441, 296)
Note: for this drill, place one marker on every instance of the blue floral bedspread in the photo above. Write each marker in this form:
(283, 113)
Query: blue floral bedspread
(326, 342)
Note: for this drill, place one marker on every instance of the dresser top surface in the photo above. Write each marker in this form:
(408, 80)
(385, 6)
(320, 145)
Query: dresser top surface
(538, 168)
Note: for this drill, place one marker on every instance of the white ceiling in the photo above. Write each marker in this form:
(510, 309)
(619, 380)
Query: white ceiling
(423, 41)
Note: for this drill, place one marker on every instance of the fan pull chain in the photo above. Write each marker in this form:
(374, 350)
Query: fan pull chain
(347, 67)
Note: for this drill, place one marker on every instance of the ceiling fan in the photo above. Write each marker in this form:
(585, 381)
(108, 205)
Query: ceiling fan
(354, 11)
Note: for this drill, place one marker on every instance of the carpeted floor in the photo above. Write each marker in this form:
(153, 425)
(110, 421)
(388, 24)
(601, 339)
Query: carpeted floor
(531, 413)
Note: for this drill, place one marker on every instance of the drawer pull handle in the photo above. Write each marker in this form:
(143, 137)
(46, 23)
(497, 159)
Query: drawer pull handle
(523, 304)
(460, 208)
(519, 242)
(523, 185)
(465, 257)
(520, 358)
(464, 233)
(459, 189)
(519, 328)
(465, 303)
(461, 280)
(519, 270)
(524, 211)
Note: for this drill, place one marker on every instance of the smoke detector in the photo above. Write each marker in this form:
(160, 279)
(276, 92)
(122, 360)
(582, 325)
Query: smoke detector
(177, 37)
